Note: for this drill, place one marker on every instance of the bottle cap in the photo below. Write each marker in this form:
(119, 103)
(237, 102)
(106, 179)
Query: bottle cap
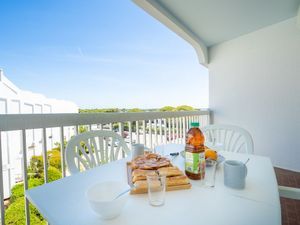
(195, 124)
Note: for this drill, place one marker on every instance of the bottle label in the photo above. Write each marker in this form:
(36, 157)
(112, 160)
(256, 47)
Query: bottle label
(195, 163)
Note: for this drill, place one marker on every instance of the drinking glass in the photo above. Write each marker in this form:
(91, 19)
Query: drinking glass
(156, 189)
(210, 173)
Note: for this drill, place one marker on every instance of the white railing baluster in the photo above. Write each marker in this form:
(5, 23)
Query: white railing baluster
(2, 213)
(188, 123)
(177, 130)
(25, 178)
(110, 126)
(180, 130)
(144, 132)
(184, 128)
(45, 155)
(137, 131)
(130, 133)
(155, 133)
(165, 131)
(160, 131)
(150, 134)
(169, 129)
(173, 130)
(62, 152)
(121, 132)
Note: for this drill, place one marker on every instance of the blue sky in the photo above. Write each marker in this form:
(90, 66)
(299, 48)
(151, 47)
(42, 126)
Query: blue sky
(98, 54)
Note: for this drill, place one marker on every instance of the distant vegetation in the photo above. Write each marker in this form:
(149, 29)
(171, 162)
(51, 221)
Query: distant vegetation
(99, 110)
(163, 109)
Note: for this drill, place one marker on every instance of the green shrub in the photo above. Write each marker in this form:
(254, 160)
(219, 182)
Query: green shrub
(18, 190)
(36, 166)
(15, 214)
(53, 174)
(54, 159)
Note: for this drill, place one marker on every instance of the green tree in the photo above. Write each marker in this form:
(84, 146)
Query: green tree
(99, 110)
(167, 109)
(136, 110)
(184, 108)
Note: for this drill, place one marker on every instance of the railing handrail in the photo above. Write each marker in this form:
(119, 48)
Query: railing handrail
(11, 122)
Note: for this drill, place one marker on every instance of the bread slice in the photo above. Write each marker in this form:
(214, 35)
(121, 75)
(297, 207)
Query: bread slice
(139, 174)
(177, 180)
(170, 181)
(170, 171)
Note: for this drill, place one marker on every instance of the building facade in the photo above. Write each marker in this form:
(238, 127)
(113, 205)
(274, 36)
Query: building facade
(16, 101)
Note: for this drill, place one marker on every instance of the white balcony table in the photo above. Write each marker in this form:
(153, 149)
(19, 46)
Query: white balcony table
(63, 202)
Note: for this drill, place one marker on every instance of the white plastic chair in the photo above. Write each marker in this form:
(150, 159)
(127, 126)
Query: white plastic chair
(289, 192)
(228, 138)
(94, 148)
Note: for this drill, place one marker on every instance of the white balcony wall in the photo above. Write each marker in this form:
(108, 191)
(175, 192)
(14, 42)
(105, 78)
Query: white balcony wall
(255, 83)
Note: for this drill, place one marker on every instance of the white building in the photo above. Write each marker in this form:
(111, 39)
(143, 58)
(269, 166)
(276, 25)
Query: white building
(16, 101)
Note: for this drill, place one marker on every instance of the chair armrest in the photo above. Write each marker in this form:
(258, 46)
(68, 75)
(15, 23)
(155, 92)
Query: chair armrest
(289, 192)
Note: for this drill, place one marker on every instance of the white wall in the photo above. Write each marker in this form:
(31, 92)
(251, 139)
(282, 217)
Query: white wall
(255, 83)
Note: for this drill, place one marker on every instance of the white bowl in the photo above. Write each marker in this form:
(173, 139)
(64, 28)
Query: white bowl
(101, 198)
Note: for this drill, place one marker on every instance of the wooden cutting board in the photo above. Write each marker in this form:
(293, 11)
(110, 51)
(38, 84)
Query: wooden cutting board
(145, 190)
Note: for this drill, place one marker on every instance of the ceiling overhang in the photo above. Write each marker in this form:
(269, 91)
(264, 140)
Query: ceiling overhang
(205, 23)
(169, 20)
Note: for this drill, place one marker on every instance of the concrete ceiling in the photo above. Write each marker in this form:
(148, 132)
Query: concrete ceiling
(210, 22)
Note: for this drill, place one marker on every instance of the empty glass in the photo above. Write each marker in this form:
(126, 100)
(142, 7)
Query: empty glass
(156, 189)
(210, 173)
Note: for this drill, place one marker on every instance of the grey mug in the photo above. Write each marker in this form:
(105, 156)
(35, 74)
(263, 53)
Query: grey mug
(136, 150)
(235, 173)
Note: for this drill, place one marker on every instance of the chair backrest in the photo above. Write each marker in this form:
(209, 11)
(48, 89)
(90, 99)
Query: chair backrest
(289, 192)
(228, 138)
(94, 148)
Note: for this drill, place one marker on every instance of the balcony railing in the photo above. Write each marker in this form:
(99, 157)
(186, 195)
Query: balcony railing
(149, 128)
